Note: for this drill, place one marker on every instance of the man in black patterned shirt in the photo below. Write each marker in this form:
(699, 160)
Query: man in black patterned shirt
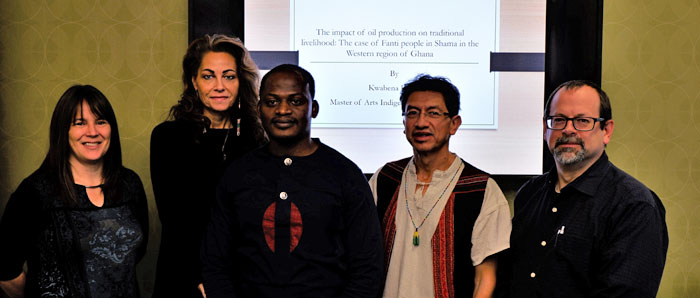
(585, 228)
(294, 218)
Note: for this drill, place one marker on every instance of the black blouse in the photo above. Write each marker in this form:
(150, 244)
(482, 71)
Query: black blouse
(78, 250)
(187, 163)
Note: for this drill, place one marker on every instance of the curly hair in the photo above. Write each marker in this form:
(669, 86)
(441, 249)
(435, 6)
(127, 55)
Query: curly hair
(190, 107)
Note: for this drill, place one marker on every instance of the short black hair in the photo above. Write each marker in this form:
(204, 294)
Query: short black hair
(442, 85)
(305, 75)
(605, 107)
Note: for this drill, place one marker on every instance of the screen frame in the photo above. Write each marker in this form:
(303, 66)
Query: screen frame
(573, 43)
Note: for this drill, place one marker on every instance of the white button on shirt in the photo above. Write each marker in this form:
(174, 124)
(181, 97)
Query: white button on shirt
(532, 274)
(283, 195)
(554, 209)
(287, 161)
(544, 243)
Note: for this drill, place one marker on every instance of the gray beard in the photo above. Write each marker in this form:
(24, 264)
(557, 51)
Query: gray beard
(561, 156)
(564, 159)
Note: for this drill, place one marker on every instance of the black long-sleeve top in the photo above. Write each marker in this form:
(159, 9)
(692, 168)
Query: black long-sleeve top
(293, 227)
(604, 235)
(74, 249)
(186, 165)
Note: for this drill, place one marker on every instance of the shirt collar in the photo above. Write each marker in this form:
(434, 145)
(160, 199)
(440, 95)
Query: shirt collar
(265, 151)
(589, 181)
(438, 175)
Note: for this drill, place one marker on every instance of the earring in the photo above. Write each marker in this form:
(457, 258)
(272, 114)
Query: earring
(238, 119)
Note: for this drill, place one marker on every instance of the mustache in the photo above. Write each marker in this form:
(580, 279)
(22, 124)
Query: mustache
(568, 140)
(283, 119)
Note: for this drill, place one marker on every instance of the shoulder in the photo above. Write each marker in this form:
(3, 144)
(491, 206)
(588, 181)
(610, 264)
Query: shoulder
(387, 178)
(253, 159)
(173, 135)
(338, 168)
(535, 182)
(626, 203)
(471, 169)
(40, 182)
(173, 128)
(129, 176)
(530, 188)
(394, 169)
(400, 164)
(34, 190)
(334, 159)
(627, 189)
(166, 126)
(472, 175)
(130, 181)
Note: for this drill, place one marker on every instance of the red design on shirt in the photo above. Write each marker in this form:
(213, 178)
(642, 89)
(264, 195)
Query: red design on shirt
(296, 226)
(268, 225)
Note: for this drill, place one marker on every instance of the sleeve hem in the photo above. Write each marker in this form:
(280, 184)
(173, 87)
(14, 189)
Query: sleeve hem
(498, 249)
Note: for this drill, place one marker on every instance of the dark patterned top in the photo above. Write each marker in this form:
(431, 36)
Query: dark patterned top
(79, 250)
(604, 235)
(293, 227)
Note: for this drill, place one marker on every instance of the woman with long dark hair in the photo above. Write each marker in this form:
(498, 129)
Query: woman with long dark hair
(214, 122)
(80, 222)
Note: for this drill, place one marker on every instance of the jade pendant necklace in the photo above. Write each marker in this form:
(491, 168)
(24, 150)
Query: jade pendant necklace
(416, 236)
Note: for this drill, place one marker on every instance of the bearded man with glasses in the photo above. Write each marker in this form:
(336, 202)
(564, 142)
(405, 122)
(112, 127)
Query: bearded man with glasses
(585, 228)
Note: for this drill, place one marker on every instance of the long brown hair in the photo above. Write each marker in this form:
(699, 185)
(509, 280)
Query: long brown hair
(190, 107)
(57, 161)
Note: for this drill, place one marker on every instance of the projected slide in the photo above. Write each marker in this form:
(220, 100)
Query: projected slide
(361, 55)
(362, 52)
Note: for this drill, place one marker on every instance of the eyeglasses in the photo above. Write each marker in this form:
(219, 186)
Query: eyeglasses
(431, 114)
(580, 123)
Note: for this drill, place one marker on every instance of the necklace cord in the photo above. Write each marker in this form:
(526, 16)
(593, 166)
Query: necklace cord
(415, 234)
(223, 146)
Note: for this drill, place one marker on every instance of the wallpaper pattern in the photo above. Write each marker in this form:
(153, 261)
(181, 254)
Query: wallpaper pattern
(131, 50)
(651, 71)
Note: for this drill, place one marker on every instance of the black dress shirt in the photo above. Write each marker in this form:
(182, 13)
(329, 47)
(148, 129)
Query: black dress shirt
(604, 235)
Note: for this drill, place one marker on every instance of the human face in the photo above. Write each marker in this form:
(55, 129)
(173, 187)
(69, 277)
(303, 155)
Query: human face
(426, 134)
(286, 107)
(570, 147)
(216, 83)
(88, 136)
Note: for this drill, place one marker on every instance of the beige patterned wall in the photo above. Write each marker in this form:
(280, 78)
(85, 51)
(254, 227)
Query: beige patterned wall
(131, 50)
(651, 70)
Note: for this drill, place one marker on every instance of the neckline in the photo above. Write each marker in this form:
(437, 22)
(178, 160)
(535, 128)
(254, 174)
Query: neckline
(316, 142)
(90, 203)
(438, 175)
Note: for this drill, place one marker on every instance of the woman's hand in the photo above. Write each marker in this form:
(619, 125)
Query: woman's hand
(14, 288)
(201, 289)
